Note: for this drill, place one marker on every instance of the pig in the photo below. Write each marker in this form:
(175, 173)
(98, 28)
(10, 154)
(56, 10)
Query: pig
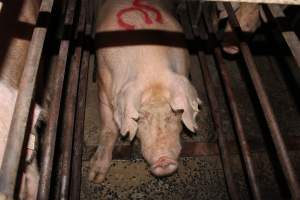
(144, 91)
(250, 17)
(13, 51)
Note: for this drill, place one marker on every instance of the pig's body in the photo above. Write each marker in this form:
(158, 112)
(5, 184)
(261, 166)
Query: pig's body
(141, 90)
(13, 50)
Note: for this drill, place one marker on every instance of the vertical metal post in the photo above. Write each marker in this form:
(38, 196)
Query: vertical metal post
(12, 155)
(276, 135)
(81, 103)
(245, 148)
(70, 107)
(214, 105)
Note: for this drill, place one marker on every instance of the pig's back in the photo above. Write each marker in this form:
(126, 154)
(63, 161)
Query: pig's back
(147, 62)
(111, 11)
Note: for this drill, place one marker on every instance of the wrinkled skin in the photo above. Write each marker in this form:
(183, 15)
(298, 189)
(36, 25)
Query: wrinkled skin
(143, 92)
(14, 42)
(160, 147)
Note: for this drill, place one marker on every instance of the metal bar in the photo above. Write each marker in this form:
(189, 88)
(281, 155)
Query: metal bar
(276, 135)
(51, 130)
(214, 105)
(196, 149)
(289, 37)
(70, 107)
(223, 146)
(245, 147)
(285, 2)
(20, 118)
(87, 60)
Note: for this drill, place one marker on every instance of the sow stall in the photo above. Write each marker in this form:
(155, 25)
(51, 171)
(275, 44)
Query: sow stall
(63, 44)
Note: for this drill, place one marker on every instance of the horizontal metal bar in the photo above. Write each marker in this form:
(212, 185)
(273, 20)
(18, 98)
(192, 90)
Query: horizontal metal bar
(285, 2)
(196, 149)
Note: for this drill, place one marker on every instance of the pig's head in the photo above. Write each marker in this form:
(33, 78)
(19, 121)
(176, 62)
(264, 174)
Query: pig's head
(154, 115)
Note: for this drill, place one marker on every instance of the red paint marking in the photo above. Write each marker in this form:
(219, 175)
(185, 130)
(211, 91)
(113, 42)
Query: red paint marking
(150, 8)
(137, 6)
(121, 22)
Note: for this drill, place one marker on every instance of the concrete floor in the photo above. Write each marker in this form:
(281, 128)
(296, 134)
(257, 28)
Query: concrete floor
(201, 177)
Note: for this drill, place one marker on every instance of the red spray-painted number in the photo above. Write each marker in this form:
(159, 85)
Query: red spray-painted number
(138, 6)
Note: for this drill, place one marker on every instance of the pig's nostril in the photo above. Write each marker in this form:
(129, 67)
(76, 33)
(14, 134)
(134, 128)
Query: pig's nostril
(164, 166)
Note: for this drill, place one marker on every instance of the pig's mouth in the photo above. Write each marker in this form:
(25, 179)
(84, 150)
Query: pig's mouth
(164, 166)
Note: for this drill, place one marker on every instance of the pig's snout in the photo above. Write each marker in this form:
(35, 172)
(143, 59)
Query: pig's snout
(164, 166)
(231, 49)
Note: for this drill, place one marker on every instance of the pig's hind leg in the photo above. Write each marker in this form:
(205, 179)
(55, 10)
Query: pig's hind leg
(100, 162)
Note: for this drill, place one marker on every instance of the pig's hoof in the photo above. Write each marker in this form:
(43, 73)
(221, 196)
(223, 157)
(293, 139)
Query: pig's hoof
(99, 166)
(96, 176)
(164, 166)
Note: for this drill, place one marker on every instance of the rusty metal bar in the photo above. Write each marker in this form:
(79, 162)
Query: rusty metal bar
(245, 147)
(87, 61)
(276, 135)
(290, 37)
(223, 146)
(20, 118)
(214, 105)
(70, 107)
(51, 129)
(285, 2)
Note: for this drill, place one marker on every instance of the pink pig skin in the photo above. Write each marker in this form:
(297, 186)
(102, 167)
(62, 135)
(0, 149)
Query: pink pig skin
(13, 56)
(143, 91)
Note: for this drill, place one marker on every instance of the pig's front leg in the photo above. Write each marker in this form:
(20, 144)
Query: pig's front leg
(100, 162)
(30, 180)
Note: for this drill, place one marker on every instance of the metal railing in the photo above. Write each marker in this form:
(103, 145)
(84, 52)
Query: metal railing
(73, 62)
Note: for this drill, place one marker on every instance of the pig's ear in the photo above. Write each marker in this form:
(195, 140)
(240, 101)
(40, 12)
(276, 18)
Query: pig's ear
(184, 97)
(126, 113)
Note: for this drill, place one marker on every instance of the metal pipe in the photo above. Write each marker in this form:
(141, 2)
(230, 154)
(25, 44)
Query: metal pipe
(12, 155)
(51, 130)
(214, 105)
(285, 2)
(70, 108)
(245, 148)
(87, 60)
(290, 37)
(223, 146)
(276, 135)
